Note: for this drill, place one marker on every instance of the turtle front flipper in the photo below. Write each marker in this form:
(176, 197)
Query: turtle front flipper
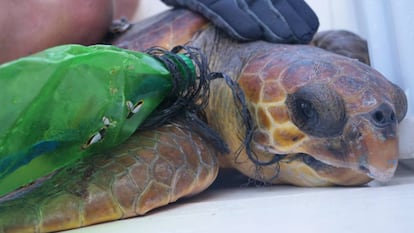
(150, 170)
(343, 42)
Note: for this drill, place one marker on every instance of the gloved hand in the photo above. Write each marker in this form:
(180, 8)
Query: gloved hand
(279, 21)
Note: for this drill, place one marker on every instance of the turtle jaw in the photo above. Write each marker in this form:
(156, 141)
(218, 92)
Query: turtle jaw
(303, 169)
(363, 147)
(323, 174)
(337, 174)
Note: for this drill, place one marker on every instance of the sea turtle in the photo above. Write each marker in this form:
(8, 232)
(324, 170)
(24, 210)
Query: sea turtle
(317, 119)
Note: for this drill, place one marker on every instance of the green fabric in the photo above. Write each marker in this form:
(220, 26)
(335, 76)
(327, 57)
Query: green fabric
(54, 101)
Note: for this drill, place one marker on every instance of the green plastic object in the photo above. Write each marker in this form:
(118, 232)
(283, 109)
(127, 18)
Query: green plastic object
(71, 101)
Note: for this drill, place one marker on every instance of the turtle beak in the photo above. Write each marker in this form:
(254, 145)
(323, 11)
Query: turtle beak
(378, 148)
(368, 145)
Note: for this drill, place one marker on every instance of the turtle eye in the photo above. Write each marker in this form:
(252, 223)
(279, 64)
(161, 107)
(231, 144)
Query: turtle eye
(307, 110)
(317, 110)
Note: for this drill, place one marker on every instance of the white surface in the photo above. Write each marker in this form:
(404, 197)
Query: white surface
(406, 138)
(148, 8)
(379, 208)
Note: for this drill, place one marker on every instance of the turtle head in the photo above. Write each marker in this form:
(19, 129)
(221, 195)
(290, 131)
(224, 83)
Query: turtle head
(326, 119)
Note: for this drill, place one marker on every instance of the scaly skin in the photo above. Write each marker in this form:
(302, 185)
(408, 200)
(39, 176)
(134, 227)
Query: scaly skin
(150, 170)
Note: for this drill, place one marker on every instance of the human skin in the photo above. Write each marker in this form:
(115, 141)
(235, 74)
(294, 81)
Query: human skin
(29, 26)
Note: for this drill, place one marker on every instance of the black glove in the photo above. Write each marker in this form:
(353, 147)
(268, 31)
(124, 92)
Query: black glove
(279, 21)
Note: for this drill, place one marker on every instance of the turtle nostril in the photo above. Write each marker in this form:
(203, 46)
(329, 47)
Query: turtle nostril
(383, 116)
(393, 116)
